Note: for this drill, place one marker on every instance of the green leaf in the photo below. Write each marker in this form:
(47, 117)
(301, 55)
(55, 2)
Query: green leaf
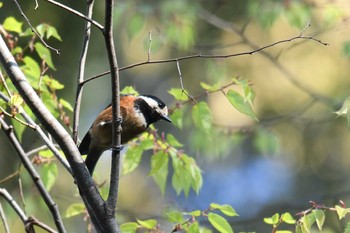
(197, 182)
(208, 87)
(46, 153)
(16, 100)
(74, 210)
(66, 104)
(177, 117)
(128, 227)
(148, 224)
(174, 217)
(272, 220)
(219, 223)
(347, 228)
(288, 218)
(320, 217)
(178, 94)
(52, 83)
(11, 24)
(194, 228)
(159, 169)
(129, 90)
(18, 127)
(44, 53)
(48, 30)
(195, 213)
(16, 50)
(1, 4)
(49, 174)
(225, 209)
(201, 116)
(173, 141)
(341, 211)
(240, 104)
(132, 159)
(32, 71)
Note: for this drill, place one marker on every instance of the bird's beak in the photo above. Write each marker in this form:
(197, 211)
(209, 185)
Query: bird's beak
(166, 118)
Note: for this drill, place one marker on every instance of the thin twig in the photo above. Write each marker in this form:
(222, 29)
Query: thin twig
(149, 46)
(41, 134)
(181, 81)
(34, 30)
(77, 13)
(35, 176)
(81, 70)
(209, 56)
(4, 220)
(5, 85)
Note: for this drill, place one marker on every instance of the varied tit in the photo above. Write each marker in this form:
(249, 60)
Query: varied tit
(137, 112)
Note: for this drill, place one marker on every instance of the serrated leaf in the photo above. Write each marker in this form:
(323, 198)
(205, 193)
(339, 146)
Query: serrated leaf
(225, 209)
(201, 116)
(45, 54)
(49, 174)
(341, 211)
(158, 161)
(148, 224)
(74, 210)
(272, 220)
(129, 90)
(219, 223)
(288, 218)
(178, 94)
(238, 102)
(66, 104)
(175, 217)
(132, 159)
(128, 227)
(177, 117)
(197, 182)
(320, 217)
(173, 141)
(11, 24)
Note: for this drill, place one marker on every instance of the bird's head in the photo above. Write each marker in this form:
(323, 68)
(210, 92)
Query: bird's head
(152, 108)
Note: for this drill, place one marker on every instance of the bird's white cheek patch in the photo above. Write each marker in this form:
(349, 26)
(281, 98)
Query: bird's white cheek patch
(141, 120)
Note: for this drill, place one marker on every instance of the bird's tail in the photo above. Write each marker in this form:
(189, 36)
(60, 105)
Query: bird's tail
(93, 154)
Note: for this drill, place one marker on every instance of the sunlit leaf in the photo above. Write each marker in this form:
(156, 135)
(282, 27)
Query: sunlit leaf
(272, 220)
(201, 116)
(194, 228)
(175, 217)
(128, 227)
(46, 153)
(173, 141)
(66, 104)
(11, 24)
(219, 223)
(52, 83)
(178, 94)
(195, 213)
(74, 210)
(148, 224)
(341, 211)
(320, 217)
(225, 209)
(45, 54)
(132, 159)
(288, 218)
(129, 90)
(177, 117)
(238, 102)
(49, 174)
(159, 169)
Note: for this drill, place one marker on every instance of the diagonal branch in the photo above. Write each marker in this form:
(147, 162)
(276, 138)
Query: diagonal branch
(35, 176)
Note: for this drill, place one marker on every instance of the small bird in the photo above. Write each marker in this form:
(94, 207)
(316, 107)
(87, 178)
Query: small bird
(137, 112)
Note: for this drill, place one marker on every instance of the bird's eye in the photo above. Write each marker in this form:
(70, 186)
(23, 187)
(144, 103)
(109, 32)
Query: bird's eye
(136, 107)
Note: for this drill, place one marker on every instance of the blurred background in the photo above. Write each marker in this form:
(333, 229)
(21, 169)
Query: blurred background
(297, 152)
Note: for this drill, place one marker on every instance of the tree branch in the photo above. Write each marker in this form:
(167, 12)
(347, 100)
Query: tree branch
(88, 190)
(116, 128)
(35, 176)
(81, 72)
